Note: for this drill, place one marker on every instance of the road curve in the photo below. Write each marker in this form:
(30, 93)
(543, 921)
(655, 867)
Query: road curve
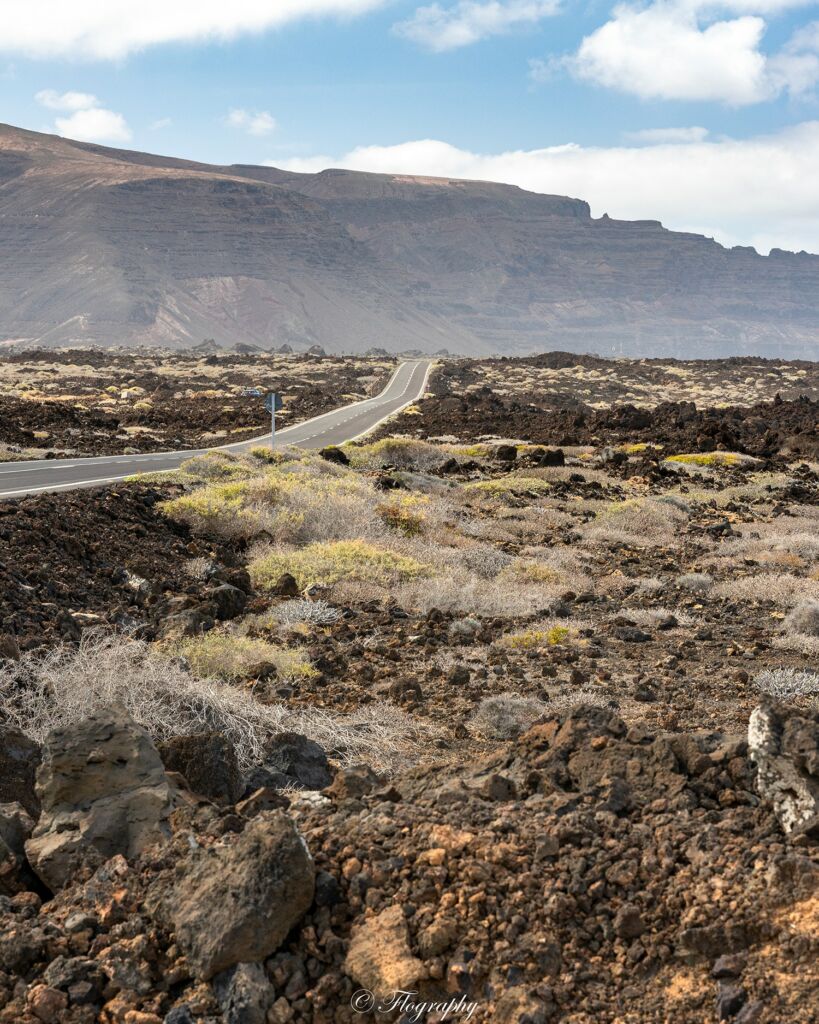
(344, 424)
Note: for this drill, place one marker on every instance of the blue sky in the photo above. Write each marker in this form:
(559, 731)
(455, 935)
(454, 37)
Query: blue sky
(702, 114)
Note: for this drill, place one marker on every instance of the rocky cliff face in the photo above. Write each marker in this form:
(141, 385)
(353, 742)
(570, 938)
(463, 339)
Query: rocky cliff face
(108, 246)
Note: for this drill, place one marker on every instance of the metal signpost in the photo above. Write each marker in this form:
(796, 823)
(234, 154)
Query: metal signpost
(273, 402)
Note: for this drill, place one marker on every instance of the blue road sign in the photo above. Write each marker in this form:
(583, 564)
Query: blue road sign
(272, 401)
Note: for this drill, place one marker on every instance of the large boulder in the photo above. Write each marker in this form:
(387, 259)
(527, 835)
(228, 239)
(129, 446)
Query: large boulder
(19, 759)
(291, 759)
(15, 827)
(103, 791)
(784, 745)
(208, 763)
(235, 904)
(230, 601)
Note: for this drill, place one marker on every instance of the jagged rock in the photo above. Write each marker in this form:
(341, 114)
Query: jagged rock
(103, 792)
(208, 763)
(19, 759)
(336, 455)
(517, 1006)
(244, 994)
(300, 759)
(235, 904)
(9, 649)
(552, 457)
(379, 957)
(353, 782)
(784, 746)
(230, 601)
(190, 622)
(506, 453)
(286, 586)
(15, 827)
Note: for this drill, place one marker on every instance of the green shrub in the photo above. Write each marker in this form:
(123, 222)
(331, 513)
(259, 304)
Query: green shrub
(712, 459)
(230, 657)
(532, 639)
(509, 485)
(329, 562)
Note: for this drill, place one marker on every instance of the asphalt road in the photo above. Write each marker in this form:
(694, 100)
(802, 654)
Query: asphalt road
(336, 427)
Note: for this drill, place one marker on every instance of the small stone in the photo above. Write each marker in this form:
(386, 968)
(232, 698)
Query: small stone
(47, 1004)
(628, 923)
(730, 1000)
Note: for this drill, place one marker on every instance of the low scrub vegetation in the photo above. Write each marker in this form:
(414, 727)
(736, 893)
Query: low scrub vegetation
(232, 657)
(505, 716)
(45, 691)
(532, 639)
(328, 562)
(788, 683)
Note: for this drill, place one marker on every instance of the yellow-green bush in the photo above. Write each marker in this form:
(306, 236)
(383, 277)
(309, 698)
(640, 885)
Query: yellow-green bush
(470, 451)
(268, 456)
(216, 465)
(215, 509)
(711, 459)
(532, 639)
(529, 570)
(404, 514)
(230, 657)
(509, 485)
(329, 562)
(638, 447)
(403, 452)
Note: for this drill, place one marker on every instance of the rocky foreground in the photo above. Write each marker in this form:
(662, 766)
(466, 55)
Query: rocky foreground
(587, 872)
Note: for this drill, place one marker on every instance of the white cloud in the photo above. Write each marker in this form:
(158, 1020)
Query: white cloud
(111, 29)
(660, 135)
(674, 50)
(760, 191)
(89, 122)
(256, 122)
(163, 122)
(94, 125)
(446, 28)
(67, 100)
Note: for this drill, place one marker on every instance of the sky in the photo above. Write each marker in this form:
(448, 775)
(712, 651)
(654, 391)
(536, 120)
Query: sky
(701, 114)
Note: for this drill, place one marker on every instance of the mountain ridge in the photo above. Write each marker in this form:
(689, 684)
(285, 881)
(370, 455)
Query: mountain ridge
(106, 246)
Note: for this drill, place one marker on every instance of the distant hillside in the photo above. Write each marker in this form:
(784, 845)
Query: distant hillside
(106, 246)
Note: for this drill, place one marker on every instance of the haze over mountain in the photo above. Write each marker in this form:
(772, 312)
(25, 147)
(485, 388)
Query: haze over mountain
(108, 247)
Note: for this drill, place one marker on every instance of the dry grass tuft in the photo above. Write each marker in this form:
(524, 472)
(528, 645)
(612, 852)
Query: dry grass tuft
(44, 691)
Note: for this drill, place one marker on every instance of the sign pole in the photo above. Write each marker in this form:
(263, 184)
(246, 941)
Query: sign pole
(272, 402)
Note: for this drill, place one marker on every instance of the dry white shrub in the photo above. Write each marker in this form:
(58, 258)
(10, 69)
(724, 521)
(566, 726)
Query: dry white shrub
(643, 522)
(787, 683)
(783, 589)
(696, 582)
(196, 568)
(651, 616)
(485, 561)
(44, 691)
(310, 613)
(806, 645)
(803, 619)
(569, 699)
(464, 593)
(506, 715)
